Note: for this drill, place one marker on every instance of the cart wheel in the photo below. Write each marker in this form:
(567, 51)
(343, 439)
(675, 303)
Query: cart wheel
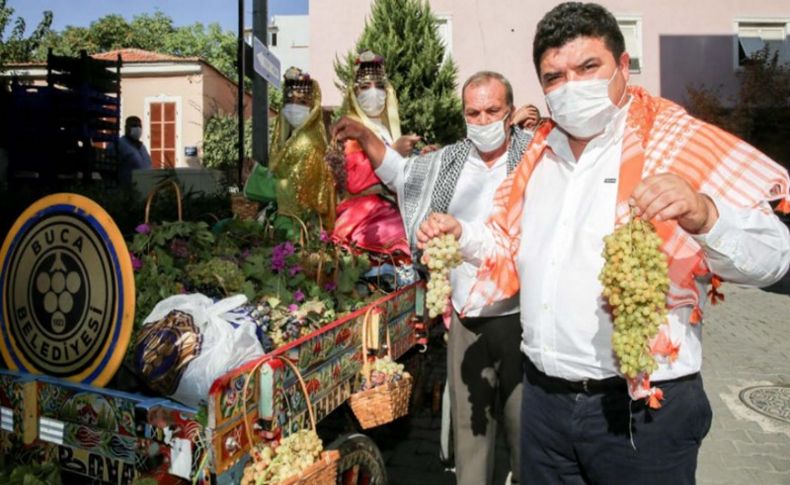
(360, 462)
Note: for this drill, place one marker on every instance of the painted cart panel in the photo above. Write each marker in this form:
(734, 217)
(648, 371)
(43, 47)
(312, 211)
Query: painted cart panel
(116, 437)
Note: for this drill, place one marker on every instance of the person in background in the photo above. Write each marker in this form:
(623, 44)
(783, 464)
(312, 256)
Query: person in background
(368, 217)
(131, 152)
(297, 177)
(483, 360)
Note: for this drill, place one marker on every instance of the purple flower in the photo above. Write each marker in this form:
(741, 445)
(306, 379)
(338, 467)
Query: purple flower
(298, 296)
(330, 286)
(293, 308)
(143, 229)
(137, 263)
(294, 270)
(325, 236)
(279, 253)
(288, 248)
(278, 263)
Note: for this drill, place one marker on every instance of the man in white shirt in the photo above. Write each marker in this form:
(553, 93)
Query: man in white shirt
(610, 146)
(484, 362)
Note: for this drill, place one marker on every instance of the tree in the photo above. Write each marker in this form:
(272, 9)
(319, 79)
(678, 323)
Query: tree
(221, 141)
(405, 33)
(16, 47)
(151, 32)
(760, 111)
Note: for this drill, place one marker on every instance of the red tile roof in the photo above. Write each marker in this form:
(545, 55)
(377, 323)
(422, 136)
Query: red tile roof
(140, 55)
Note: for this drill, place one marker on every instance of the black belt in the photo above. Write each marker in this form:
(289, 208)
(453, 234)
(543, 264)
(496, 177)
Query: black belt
(586, 386)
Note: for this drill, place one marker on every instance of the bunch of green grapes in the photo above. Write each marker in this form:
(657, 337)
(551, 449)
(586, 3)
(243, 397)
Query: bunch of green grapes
(635, 282)
(387, 366)
(291, 457)
(441, 255)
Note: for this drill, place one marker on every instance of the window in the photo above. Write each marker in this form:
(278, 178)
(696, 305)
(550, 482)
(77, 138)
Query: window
(273, 31)
(631, 27)
(754, 36)
(444, 25)
(162, 130)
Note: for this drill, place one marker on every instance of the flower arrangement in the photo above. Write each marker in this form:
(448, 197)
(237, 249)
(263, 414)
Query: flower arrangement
(295, 284)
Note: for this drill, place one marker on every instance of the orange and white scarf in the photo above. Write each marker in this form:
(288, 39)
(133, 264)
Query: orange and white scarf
(659, 137)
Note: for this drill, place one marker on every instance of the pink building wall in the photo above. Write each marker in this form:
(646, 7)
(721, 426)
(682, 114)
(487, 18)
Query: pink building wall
(683, 41)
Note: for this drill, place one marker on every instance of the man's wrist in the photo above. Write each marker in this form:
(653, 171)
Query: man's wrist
(711, 214)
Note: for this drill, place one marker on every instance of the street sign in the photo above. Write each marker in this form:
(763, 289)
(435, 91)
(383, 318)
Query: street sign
(265, 63)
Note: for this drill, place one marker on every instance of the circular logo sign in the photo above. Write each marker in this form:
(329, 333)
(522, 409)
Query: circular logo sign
(67, 291)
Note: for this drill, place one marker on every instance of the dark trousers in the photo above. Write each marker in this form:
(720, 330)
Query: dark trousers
(484, 367)
(584, 438)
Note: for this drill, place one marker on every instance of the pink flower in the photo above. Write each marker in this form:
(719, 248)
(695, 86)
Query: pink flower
(293, 308)
(298, 296)
(137, 263)
(325, 236)
(143, 229)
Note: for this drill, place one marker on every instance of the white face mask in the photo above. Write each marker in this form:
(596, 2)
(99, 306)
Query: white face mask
(372, 101)
(136, 132)
(582, 108)
(296, 114)
(487, 138)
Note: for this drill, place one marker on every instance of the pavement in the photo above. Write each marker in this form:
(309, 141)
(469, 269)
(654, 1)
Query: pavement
(746, 344)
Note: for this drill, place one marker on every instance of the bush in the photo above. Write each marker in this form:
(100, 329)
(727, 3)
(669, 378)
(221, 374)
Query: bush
(220, 141)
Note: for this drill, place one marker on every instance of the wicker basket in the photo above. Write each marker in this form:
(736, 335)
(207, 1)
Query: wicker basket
(381, 404)
(324, 470)
(243, 207)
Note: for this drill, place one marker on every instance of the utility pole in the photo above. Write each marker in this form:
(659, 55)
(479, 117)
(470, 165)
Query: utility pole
(260, 95)
(240, 69)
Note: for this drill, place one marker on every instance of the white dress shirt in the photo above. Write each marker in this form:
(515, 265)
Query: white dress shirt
(569, 208)
(471, 201)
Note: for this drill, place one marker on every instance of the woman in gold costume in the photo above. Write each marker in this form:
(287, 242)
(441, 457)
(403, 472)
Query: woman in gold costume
(303, 181)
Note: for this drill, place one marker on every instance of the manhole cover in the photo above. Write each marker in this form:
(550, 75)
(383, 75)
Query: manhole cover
(771, 401)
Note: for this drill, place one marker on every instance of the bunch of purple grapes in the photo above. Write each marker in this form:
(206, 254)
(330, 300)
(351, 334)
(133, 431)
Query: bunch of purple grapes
(336, 159)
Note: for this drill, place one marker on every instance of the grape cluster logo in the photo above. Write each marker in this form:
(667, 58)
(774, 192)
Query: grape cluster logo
(67, 291)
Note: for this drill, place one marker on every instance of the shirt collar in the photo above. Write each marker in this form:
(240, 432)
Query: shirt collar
(474, 158)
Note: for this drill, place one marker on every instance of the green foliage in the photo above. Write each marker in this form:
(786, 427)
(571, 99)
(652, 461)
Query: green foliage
(760, 111)
(32, 474)
(221, 141)
(16, 47)
(152, 32)
(275, 98)
(246, 257)
(405, 33)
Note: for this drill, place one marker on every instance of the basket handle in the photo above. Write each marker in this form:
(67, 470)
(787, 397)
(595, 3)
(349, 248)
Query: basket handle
(157, 188)
(302, 385)
(304, 236)
(366, 370)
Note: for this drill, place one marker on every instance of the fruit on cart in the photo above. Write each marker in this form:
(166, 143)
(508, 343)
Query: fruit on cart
(274, 463)
(384, 370)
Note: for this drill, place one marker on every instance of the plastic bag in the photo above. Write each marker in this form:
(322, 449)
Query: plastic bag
(187, 342)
